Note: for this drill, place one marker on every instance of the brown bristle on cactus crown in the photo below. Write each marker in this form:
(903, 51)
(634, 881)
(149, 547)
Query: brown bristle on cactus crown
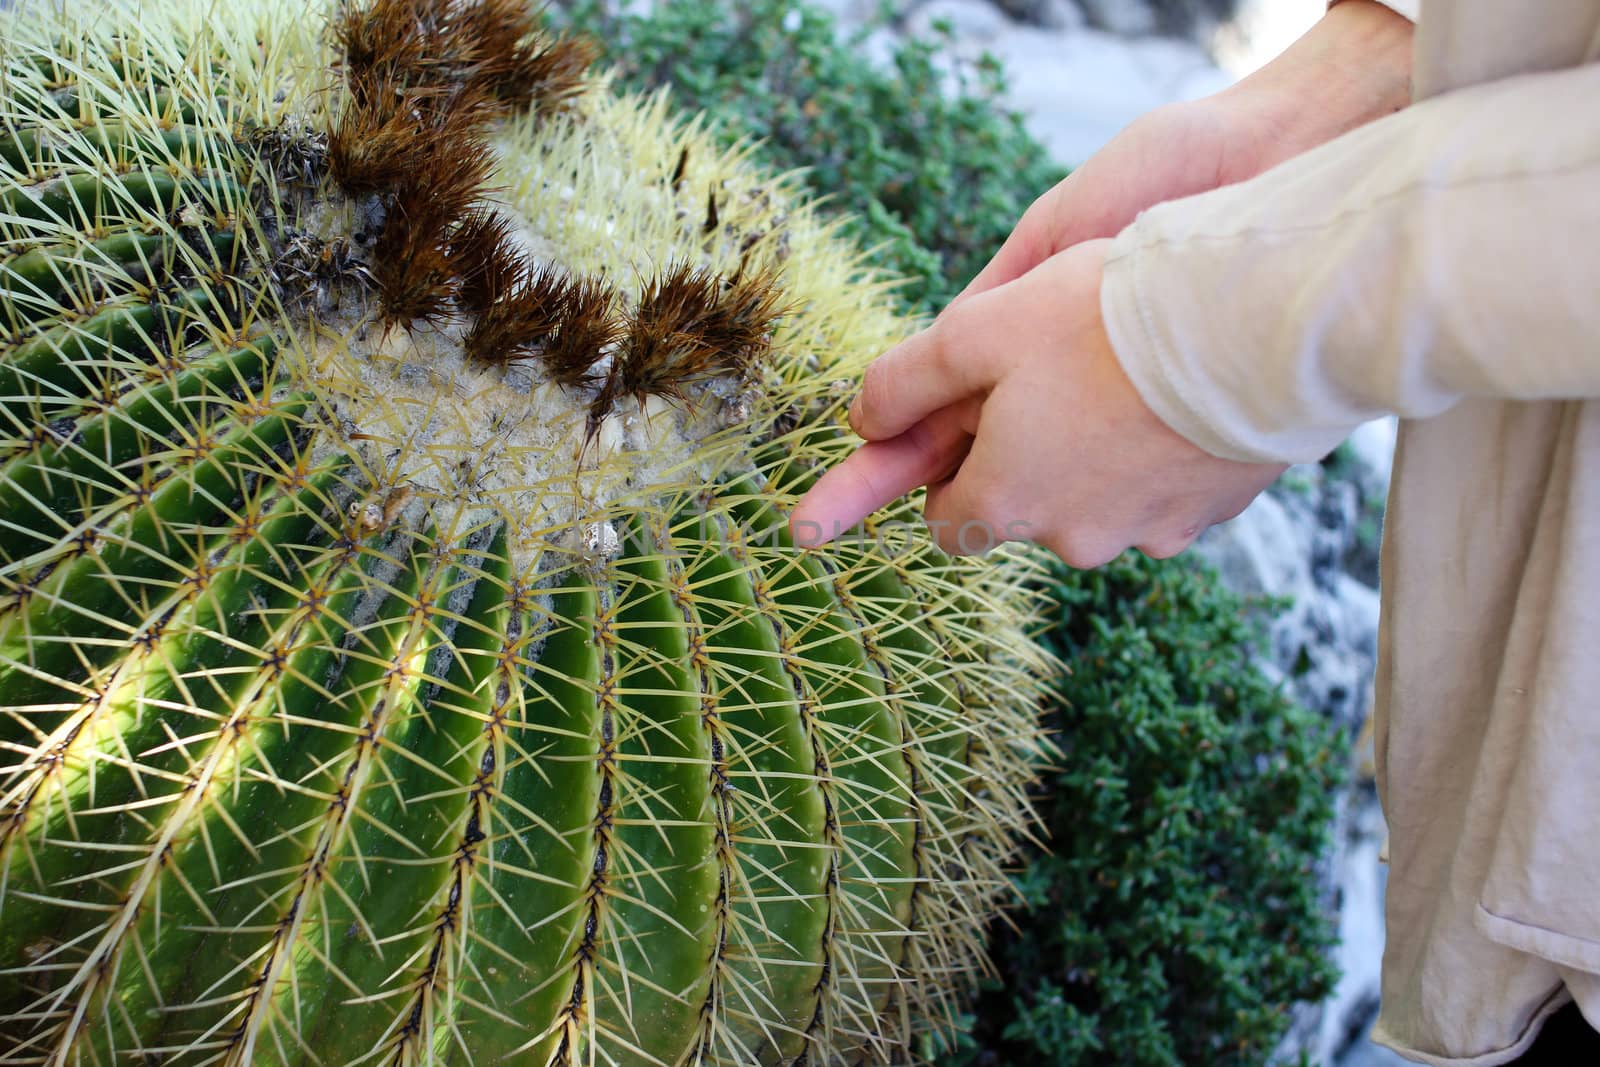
(513, 64)
(591, 326)
(387, 34)
(740, 324)
(432, 42)
(689, 325)
(429, 65)
(392, 124)
(378, 146)
(663, 345)
(415, 275)
(425, 78)
(489, 264)
(547, 76)
(522, 319)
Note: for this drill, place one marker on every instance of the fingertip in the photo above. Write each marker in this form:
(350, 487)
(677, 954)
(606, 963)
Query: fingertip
(855, 415)
(806, 531)
(838, 500)
(874, 475)
(897, 389)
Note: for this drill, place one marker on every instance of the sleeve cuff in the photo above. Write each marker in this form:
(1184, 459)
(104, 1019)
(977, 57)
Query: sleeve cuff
(1139, 348)
(1406, 8)
(1172, 378)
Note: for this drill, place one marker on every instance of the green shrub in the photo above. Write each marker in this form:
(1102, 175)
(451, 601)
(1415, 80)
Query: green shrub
(1174, 919)
(931, 178)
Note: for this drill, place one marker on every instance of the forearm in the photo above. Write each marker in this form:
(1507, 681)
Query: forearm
(1449, 251)
(1352, 66)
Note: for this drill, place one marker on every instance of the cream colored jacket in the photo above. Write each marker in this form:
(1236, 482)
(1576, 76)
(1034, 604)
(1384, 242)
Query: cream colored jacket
(1442, 264)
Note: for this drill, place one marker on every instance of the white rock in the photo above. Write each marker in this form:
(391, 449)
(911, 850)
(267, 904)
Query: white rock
(1366, 1054)
(1051, 14)
(1361, 879)
(1261, 552)
(1373, 444)
(1077, 90)
(1126, 17)
(849, 13)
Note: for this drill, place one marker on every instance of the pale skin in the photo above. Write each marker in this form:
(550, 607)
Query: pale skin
(1012, 407)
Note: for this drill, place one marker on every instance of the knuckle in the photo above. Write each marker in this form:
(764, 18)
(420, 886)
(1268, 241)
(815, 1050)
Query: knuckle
(937, 340)
(1164, 549)
(1171, 542)
(868, 485)
(1084, 551)
(988, 505)
(944, 536)
(951, 527)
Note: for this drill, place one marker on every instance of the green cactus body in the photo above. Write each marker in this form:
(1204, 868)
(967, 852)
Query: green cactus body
(364, 700)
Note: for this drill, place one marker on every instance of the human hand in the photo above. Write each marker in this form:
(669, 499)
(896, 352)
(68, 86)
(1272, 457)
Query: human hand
(1353, 66)
(984, 377)
(1013, 410)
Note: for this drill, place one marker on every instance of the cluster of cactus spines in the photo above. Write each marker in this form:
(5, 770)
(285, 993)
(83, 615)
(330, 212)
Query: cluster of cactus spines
(370, 689)
(424, 80)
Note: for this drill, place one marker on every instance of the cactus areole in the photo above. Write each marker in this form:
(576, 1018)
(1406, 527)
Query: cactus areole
(402, 658)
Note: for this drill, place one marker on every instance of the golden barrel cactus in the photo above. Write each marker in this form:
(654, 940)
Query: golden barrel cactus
(402, 657)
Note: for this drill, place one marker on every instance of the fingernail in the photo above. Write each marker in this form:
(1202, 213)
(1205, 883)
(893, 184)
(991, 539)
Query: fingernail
(806, 533)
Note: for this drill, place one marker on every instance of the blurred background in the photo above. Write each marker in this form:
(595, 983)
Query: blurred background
(1080, 70)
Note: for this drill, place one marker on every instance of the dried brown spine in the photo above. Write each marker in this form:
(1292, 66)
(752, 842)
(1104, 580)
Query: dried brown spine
(425, 79)
(591, 327)
(689, 325)
(521, 321)
(415, 275)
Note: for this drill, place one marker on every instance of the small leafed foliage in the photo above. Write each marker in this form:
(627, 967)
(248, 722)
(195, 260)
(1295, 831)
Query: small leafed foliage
(1176, 916)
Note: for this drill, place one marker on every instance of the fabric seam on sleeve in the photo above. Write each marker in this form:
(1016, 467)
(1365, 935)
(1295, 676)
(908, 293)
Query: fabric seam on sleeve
(1160, 363)
(1382, 201)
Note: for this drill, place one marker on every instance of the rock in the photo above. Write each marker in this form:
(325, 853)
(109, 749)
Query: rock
(1075, 90)
(1347, 1015)
(1366, 1054)
(1372, 446)
(1261, 552)
(848, 13)
(1050, 14)
(1129, 18)
(973, 25)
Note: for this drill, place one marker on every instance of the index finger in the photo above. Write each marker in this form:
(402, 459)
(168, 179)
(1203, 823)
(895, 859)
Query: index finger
(955, 359)
(877, 473)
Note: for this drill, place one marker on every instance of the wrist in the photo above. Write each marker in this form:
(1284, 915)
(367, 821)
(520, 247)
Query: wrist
(1350, 68)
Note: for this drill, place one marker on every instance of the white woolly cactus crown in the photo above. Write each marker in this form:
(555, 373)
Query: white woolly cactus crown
(402, 658)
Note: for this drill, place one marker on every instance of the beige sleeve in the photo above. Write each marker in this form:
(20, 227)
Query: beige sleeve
(1449, 250)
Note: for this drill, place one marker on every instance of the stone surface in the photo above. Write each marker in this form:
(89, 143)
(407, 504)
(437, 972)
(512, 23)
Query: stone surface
(1051, 14)
(1075, 88)
(1366, 1054)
